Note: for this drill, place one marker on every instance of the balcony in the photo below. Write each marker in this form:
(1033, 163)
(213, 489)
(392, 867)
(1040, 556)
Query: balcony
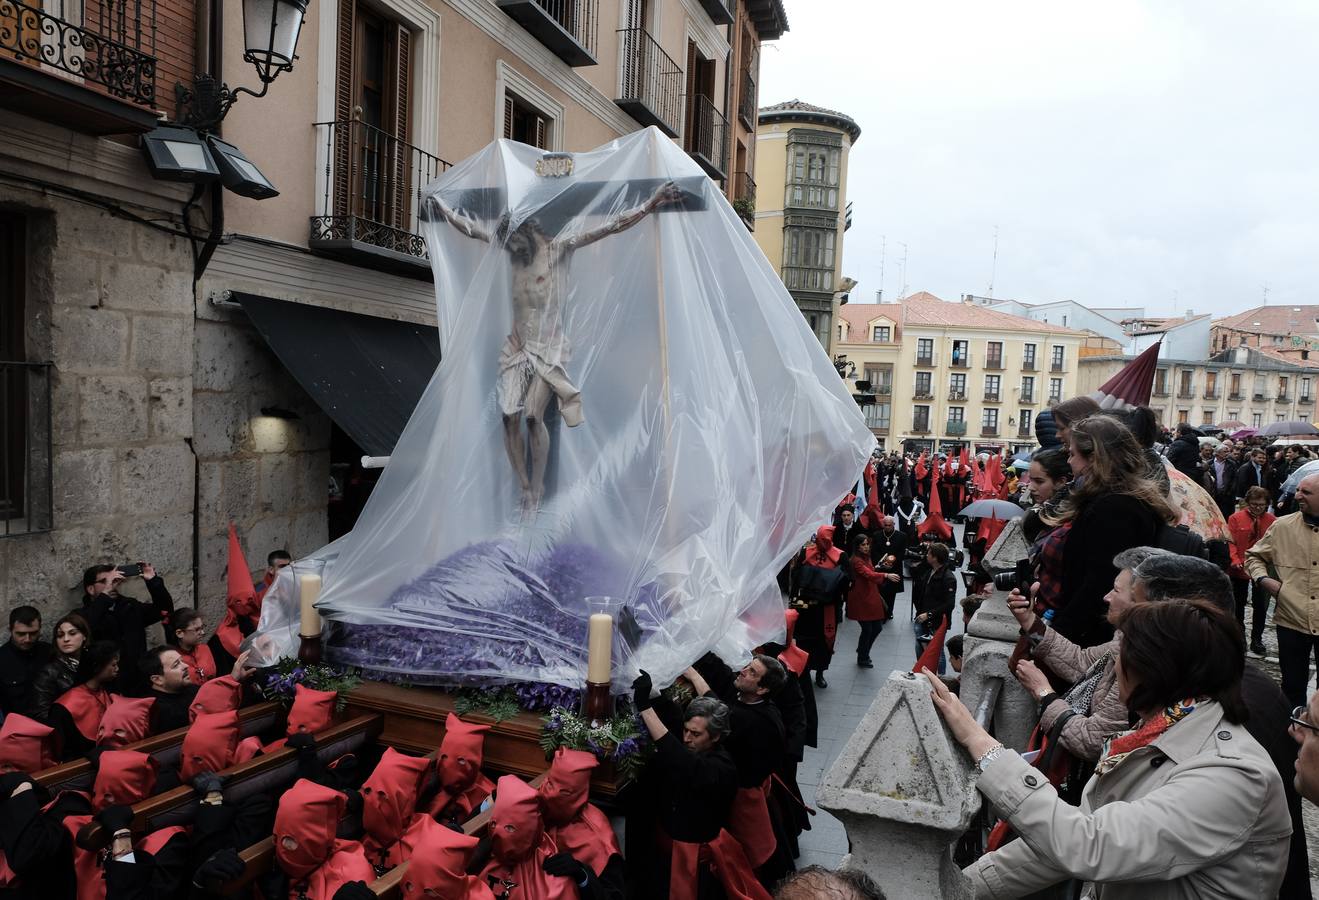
(993, 363)
(1027, 397)
(960, 360)
(1160, 390)
(1211, 394)
(372, 197)
(922, 394)
(989, 431)
(1023, 431)
(651, 90)
(744, 198)
(1055, 366)
(1055, 399)
(920, 428)
(926, 360)
(707, 136)
(1282, 397)
(1259, 396)
(720, 12)
(1028, 365)
(884, 390)
(1235, 395)
(1186, 393)
(1305, 398)
(746, 101)
(877, 419)
(957, 396)
(955, 427)
(991, 397)
(567, 27)
(89, 67)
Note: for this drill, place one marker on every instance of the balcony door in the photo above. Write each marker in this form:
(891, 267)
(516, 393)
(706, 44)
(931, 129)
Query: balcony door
(372, 152)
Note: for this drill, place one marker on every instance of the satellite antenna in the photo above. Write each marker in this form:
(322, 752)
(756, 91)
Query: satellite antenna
(993, 269)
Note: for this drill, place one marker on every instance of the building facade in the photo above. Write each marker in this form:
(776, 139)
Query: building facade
(1292, 331)
(946, 375)
(801, 215)
(149, 401)
(1242, 387)
(1105, 322)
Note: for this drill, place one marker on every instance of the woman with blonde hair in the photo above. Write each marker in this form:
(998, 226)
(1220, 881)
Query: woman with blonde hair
(1113, 506)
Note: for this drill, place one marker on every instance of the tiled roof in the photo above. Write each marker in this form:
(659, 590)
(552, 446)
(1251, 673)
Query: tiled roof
(923, 308)
(1274, 320)
(1290, 360)
(1159, 326)
(796, 110)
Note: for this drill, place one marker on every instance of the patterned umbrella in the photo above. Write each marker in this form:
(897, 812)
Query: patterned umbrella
(1131, 386)
(1197, 510)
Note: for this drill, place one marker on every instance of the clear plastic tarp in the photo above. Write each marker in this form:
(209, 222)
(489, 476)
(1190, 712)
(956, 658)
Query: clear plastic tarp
(629, 404)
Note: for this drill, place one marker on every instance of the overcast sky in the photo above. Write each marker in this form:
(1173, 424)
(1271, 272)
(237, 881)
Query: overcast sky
(1162, 154)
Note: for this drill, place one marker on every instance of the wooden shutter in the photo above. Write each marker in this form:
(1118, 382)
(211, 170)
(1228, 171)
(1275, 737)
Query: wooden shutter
(508, 116)
(542, 133)
(402, 154)
(344, 98)
(691, 95)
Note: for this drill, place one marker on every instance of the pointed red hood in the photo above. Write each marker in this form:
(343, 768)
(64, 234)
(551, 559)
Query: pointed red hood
(389, 796)
(127, 721)
(26, 745)
(123, 777)
(305, 827)
(217, 695)
(312, 710)
(240, 597)
(567, 785)
(439, 866)
(824, 552)
(461, 754)
(209, 744)
(516, 827)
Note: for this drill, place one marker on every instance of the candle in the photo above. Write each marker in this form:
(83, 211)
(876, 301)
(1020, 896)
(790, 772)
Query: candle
(599, 646)
(309, 590)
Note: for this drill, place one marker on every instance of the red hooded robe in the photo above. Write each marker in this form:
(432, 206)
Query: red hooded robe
(825, 555)
(519, 846)
(200, 663)
(576, 825)
(794, 657)
(389, 804)
(209, 745)
(217, 695)
(26, 745)
(316, 862)
(438, 867)
(127, 721)
(463, 788)
(241, 601)
(85, 707)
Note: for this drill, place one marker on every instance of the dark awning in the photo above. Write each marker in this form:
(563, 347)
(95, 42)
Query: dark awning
(367, 373)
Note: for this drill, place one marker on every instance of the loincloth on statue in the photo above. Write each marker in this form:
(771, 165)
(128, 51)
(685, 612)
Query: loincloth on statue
(520, 363)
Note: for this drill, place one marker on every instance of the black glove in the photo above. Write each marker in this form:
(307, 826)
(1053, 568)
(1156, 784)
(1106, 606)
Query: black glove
(354, 806)
(641, 689)
(10, 782)
(274, 884)
(116, 818)
(207, 782)
(302, 741)
(566, 865)
(221, 866)
(354, 890)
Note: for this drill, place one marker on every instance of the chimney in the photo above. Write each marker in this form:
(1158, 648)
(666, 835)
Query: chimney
(1190, 314)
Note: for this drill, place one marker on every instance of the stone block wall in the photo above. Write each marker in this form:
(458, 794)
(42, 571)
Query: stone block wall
(110, 303)
(267, 475)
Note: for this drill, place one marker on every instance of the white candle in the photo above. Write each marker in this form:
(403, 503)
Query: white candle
(599, 646)
(309, 589)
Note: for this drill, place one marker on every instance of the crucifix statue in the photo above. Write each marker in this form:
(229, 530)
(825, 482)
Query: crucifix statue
(532, 362)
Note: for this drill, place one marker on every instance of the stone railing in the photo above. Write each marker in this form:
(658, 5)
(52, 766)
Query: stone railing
(901, 781)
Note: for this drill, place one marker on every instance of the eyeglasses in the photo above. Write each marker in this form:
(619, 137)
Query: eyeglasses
(1299, 722)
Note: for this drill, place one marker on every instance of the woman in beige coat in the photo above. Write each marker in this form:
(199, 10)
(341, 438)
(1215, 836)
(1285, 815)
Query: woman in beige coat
(1185, 805)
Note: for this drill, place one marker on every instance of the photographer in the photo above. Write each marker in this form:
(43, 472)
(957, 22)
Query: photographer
(934, 596)
(124, 620)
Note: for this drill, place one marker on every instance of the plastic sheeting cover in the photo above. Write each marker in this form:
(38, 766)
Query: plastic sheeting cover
(714, 433)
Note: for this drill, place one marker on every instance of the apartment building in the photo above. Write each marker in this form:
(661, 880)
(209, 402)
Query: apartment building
(1292, 331)
(1241, 387)
(177, 356)
(946, 375)
(802, 212)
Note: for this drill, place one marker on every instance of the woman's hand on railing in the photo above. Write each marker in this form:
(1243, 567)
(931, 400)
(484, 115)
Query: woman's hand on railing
(974, 739)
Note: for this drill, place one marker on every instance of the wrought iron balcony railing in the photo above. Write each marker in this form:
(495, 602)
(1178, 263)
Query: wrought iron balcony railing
(651, 89)
(1028, 365)
(955, 427)
(707, 135)
(110, 43)
(567, 27)
(372, 195)
(989, 431)
(744, 196)
(1027, 397)
(993, 362)
(746, 101)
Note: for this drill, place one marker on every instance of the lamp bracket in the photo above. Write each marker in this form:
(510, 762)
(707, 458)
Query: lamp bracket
(204, 105)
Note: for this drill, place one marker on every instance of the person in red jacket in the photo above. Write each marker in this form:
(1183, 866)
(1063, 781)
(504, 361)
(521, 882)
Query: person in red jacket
(1247, 525)
(315, 861)
(521, 853)
(865, 602)
(462, 786)
(578, 828)
(190, 632)
(389, 807)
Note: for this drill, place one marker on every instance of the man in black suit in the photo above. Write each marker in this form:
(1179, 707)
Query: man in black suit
(1223, 473)
(846, 529)
(886, 542)
(1252, 473)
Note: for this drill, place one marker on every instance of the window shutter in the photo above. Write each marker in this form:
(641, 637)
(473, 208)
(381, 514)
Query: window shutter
(343, 107)
(542, 133)
(401, 163)
(508, 116)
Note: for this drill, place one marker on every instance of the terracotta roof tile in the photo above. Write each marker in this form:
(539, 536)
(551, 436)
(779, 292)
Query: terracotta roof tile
(923, 308)
(1274, 320)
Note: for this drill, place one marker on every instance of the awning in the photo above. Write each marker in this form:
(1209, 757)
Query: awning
(367, 373)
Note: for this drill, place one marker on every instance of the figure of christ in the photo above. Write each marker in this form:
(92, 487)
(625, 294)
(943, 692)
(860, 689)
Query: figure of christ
(533, 359)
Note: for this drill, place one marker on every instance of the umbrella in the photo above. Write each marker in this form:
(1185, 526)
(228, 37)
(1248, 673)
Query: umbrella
(1131, 386)
(1304, 470)
(1242, 433)
(1197, 510)
(1021, 465)
(1023, 455)
(1209, 441)
(1288, 429)
(1001, 509)
(1231, 425)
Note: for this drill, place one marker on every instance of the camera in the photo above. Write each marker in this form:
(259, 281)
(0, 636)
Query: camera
(1020, 577)
(131, 570)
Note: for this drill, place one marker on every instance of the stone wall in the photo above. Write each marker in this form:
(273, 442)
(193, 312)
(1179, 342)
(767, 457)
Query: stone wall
(269, 476)
(110, 303)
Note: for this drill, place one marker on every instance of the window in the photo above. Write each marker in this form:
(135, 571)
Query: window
(1028, 356)
(957, 414)
(813, 168)
(925, 351)
(1282, 386)
(1183, 415)
(961, 353)
(994, 355)
(1236, 384)
(1027, 388)
(1256, 420)
(957, 384)
(808, 254)
(989, 419)
(1024, 421)
(1160, 381)
(1208, 417)
(1305, 389)
(1186, 385)
(1056, 361)
(1303, 417)
(1055, 390)
(881, 334)
(1280, 417)
(1259, 387)
(1064, 320)
(920, 418)
(991, 387)
(1211, 383)
(1234, 415)
(878, 415)
(923, 382)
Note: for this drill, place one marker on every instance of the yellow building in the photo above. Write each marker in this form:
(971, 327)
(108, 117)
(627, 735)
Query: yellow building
(801, 174)
(947, 374)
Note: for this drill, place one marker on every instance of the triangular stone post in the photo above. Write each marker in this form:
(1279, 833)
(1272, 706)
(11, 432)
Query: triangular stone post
(904, 791)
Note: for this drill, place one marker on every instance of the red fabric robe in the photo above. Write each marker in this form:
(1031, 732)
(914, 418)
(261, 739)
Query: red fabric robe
(200, 663)
(126, 721)
(462, 786)
(575, 824)
(438, 866)
(316, 862)
(86, 707)
(26, 745)
(389, 801)
(519, 846)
